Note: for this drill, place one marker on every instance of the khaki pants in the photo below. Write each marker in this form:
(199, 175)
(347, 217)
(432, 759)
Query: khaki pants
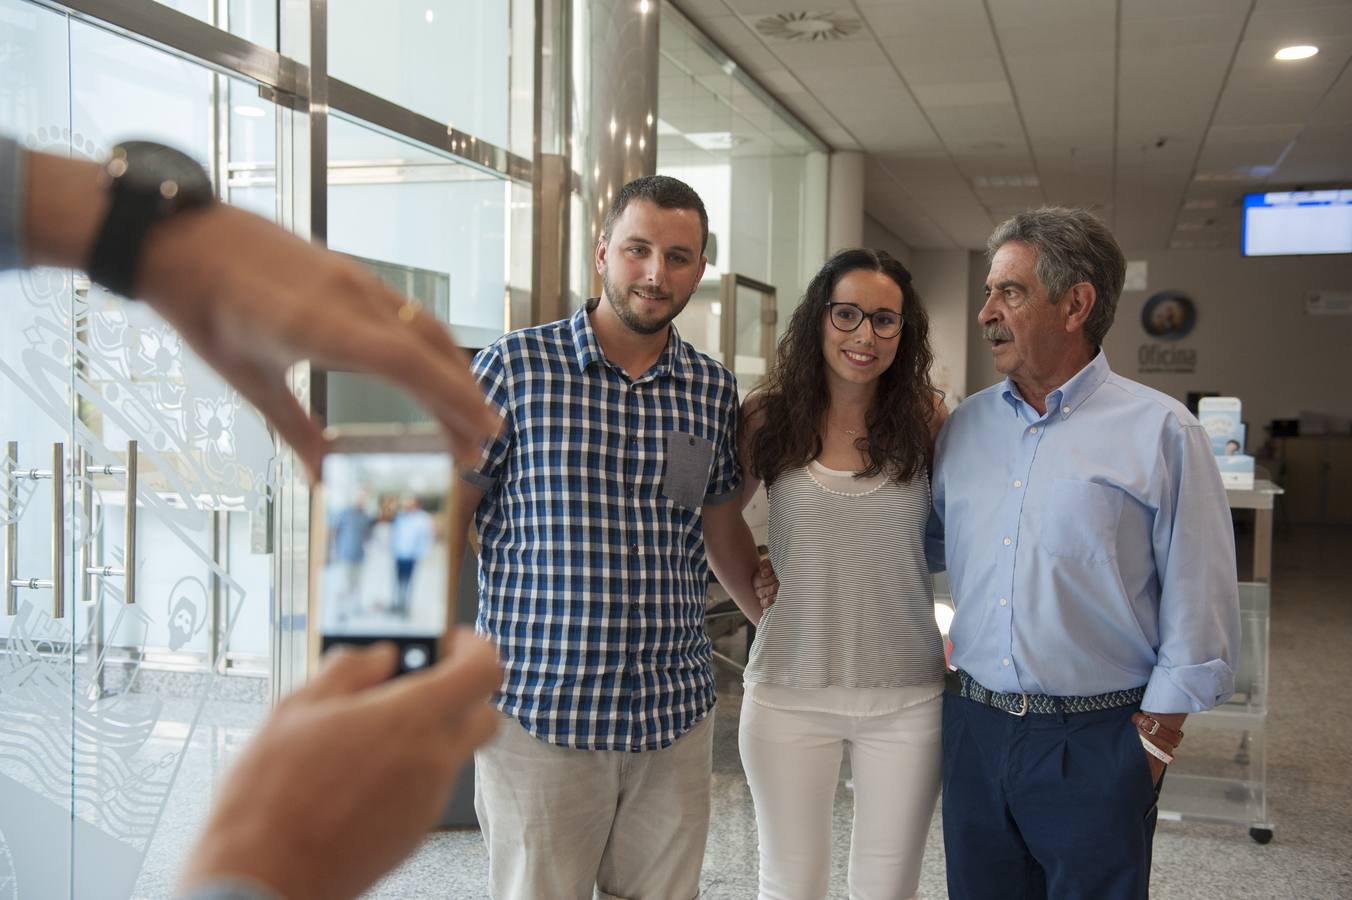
(569, 824)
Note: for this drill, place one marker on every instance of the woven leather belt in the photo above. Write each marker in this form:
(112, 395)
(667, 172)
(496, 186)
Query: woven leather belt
(1023, 704)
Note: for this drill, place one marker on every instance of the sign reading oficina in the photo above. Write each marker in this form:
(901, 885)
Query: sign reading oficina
(1168, 316)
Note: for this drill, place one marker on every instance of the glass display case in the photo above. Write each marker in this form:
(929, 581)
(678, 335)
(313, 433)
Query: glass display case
(1221, 775)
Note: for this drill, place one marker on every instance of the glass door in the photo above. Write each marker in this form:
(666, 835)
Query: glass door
(734, 324)
(36, 426)
(748, 327)
(125, 690)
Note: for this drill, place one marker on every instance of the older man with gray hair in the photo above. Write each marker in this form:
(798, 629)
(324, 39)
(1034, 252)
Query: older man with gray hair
(1083, 523)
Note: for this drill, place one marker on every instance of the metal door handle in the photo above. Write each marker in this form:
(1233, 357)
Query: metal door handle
(128, 568)
(13, 581)
(11, 528)
(58, 531)
(129, 530)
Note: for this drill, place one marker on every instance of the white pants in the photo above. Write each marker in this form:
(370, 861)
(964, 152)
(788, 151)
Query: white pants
(792, 763)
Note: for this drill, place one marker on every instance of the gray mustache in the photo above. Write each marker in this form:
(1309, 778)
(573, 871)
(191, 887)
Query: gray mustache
(992, 331)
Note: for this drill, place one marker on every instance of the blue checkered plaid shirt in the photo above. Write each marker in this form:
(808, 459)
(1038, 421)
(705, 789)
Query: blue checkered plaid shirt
(592, 573)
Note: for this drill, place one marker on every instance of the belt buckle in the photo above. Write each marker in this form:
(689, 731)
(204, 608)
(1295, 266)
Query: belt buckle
(1023, 710)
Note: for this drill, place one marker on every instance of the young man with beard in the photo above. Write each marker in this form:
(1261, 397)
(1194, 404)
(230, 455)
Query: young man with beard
(600, 509)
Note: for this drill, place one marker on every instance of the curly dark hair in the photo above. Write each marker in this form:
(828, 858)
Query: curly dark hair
(795, 398)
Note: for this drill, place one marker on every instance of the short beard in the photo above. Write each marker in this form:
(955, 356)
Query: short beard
(619, 302)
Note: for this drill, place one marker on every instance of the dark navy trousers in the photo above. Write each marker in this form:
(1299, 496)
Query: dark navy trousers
(1045, 806)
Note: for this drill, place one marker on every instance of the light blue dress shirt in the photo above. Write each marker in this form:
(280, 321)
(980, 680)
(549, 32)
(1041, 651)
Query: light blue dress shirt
(410, 534)
(1088, 549)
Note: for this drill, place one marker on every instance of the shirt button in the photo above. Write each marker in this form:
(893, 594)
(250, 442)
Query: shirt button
(1032, 430)
(1005, 661)
(633, 548)
(1004, 601)
(1018, 483)
(1008, 542)
(1065, 410)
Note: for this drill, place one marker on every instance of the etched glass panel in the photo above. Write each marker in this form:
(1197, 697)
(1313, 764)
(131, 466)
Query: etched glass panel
(115, 717)
(151, 665)
(35, 413)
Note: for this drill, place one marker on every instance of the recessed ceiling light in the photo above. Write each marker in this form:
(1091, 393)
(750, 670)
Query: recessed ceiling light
(1300, 51)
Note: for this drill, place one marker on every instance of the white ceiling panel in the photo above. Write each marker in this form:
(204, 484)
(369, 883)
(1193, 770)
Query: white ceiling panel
(1260, 107)
(1309, 25)
(1156, 9)
(1218, 156)
(907, 18)
(1336, 106)
(804, 58)
(768, 7)
(1050, 14)
(1163, 35)
(963, 94)
(971, 124)
(858, 81)
(953, 68)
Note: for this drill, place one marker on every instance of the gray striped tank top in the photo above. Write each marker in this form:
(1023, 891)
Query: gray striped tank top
(856, 602)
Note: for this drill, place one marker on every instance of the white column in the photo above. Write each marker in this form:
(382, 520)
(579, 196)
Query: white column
(845, 201)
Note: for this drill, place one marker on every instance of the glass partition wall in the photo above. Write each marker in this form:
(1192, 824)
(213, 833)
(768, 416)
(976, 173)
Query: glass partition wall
(154, 531)
(762, 176)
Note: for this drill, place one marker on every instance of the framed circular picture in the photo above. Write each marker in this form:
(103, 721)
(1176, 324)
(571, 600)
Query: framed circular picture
(1169, 315)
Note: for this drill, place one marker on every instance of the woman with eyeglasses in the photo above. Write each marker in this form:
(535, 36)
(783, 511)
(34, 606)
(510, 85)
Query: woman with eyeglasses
(849, 655)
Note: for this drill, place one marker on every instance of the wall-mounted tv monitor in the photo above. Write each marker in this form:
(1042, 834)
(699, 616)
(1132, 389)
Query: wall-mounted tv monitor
(1295, 223)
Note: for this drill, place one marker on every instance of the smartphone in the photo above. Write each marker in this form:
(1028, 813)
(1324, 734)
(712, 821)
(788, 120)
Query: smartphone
(378, 563)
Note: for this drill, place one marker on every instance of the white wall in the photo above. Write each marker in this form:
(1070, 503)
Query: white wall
(879, 237)
(1252, 338)
(941, 278)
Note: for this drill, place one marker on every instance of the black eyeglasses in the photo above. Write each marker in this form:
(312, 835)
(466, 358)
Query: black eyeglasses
(886, 323)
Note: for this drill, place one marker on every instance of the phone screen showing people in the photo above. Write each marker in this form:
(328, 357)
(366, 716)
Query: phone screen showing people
(384, 570)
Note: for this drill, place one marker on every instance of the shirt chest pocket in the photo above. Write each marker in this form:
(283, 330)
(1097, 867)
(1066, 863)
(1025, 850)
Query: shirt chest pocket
(688, 459)
(1079, 521)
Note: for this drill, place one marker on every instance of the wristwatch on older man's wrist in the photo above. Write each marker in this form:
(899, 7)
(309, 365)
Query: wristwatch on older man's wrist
(147, 183)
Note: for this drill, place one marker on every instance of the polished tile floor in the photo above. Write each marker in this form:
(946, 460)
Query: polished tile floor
(1309, 775)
